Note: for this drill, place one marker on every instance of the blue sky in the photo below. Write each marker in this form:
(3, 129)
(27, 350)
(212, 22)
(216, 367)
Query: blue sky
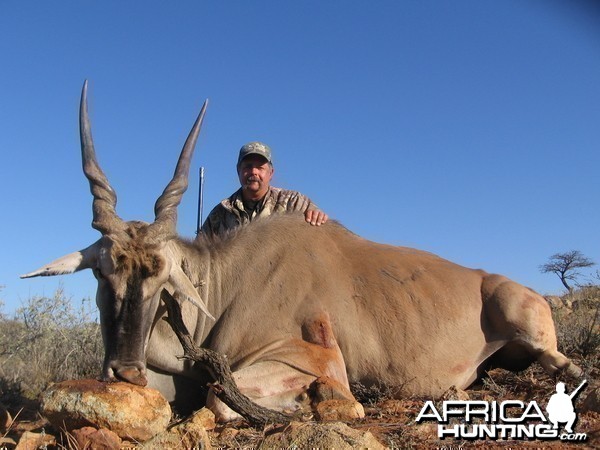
(467, 128)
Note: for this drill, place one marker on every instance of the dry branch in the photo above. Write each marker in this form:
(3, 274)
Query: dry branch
(224, 386)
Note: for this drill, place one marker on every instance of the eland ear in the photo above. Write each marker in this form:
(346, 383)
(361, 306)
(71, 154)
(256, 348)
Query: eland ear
(182, 288)
(71, 263)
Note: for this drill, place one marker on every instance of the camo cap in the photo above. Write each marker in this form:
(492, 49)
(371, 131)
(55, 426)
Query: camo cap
(255, 148)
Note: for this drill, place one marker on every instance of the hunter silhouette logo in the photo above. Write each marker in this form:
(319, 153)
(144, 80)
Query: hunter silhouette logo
(560, 407)
(510, 419)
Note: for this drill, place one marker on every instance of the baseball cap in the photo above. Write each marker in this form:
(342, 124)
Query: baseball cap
(255, 148)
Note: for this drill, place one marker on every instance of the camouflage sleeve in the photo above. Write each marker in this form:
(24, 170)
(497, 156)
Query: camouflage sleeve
(212, 223)
(300, 202)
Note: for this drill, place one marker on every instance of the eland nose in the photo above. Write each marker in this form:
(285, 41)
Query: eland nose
(131, 372)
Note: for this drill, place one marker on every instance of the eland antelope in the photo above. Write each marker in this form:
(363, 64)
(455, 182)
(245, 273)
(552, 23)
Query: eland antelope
(293, 306)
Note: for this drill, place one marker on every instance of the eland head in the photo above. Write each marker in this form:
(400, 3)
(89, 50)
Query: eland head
(131, 261)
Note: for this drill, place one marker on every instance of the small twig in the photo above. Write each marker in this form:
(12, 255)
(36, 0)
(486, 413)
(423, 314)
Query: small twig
(224, 386)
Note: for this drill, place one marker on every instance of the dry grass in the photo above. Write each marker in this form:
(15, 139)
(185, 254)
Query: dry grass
(48, 340)
(578, 325)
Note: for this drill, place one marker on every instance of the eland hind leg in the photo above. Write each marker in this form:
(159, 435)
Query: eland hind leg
(523, 318)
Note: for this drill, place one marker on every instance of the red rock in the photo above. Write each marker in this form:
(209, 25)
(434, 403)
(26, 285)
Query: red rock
(102, 439)
(132, 412)
(33, 441)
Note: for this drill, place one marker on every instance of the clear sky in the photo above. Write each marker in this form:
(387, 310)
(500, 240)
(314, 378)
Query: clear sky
(468, 128)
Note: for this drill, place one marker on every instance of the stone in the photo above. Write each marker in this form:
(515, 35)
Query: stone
(321, 435)
(182, 436)
(92, 438)
(339, 410)
(204, 417)
(33, 441)
(191, 433)
(132, 412)
(455, 394)
(425, 431)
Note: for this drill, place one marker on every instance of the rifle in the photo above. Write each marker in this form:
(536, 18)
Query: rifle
(200, 200)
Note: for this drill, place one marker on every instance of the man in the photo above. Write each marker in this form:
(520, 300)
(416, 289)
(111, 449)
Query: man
(257, 198)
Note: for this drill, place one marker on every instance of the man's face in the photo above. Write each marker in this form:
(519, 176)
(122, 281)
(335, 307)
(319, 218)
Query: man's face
(255, 175)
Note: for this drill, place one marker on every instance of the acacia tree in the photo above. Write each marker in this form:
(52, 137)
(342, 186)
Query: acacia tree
(565, 266)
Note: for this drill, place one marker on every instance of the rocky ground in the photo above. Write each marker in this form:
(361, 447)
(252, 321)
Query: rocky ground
(392, 422)
(388, 422)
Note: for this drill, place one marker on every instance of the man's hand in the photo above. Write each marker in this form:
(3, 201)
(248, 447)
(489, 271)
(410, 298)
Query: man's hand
(315, 217)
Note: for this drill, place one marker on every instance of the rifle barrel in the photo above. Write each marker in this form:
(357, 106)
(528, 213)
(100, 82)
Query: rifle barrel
(200, 200)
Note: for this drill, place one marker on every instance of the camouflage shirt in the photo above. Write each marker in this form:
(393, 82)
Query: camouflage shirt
(232, 213)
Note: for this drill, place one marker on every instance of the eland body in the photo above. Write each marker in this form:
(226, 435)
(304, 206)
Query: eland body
(294, 306)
